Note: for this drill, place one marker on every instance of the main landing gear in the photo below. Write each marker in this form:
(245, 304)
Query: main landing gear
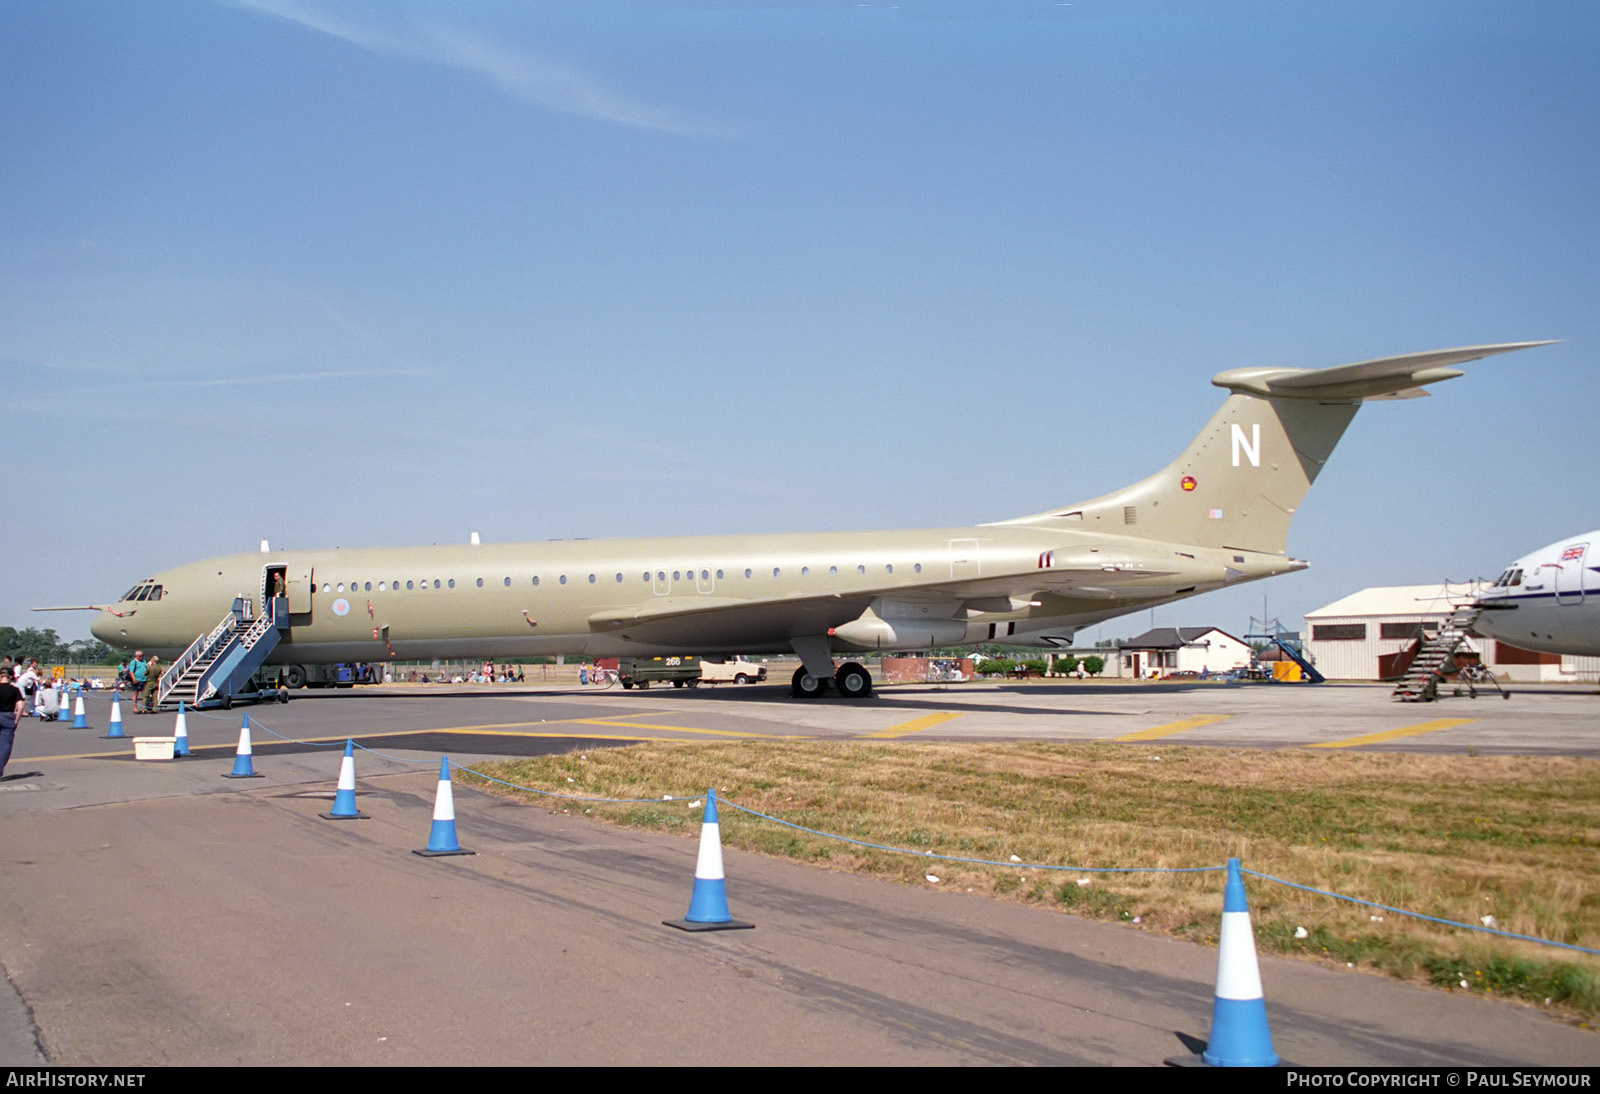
(852, 681)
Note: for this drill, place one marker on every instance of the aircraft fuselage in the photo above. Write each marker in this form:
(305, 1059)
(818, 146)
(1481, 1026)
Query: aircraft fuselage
(922, 588)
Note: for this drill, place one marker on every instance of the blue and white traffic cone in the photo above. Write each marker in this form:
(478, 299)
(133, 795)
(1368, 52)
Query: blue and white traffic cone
(708, 904)
(1239, 1033)
(114, 727)
(242, 768)
(344, 798)
(442, 836)
(80, 720)
(180, 733)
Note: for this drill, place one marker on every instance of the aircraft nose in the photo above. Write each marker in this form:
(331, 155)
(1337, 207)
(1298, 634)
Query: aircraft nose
(105, 628)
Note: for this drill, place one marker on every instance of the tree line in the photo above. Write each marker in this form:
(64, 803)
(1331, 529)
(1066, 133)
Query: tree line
(45, 646)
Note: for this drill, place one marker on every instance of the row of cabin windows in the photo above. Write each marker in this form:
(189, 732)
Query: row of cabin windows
(659, 576)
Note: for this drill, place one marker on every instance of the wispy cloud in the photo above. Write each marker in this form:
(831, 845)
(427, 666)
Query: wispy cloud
(287, 377)
(535, 80)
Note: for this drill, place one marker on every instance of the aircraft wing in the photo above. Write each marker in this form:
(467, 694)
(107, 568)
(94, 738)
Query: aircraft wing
(726, 623)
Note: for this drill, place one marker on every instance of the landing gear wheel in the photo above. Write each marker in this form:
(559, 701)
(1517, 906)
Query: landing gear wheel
(806, 686)
(853, 681)
(295, 677)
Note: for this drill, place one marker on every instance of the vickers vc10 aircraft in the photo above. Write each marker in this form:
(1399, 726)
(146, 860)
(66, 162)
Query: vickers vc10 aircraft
(1216, 516)
(1547, 601)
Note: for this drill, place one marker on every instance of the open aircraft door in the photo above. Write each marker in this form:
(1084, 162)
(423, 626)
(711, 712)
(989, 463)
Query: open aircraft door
(301, 586)
(295, 583)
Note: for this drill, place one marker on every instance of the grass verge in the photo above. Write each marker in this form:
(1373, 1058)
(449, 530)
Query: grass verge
(1457, 837)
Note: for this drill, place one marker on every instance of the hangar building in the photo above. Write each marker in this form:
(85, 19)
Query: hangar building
(1348, 638)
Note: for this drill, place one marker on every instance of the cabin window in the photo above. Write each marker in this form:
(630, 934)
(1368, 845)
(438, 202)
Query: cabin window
(917, 568)
(508, 583)
(480, 583)
(619, 579)
(452, 583)
(861, 569)
(408, 585)
(889, 569)
(676, 576)
(380, 586)
(563, 579)
(339, 587)
(369, 586)
(805, 571)
(436, 583)
(591, 579)
(705, 575)
(747, 573)
(536, 579)
(719, 575)
(661, 575)
(776, 571)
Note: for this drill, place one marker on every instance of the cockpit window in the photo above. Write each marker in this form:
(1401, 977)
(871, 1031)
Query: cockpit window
(145, 590)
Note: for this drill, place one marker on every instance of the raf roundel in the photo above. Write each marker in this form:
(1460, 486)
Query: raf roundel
(341, 607)
(1188, 483)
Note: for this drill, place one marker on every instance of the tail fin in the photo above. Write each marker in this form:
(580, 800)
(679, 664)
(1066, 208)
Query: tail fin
(1239, 482)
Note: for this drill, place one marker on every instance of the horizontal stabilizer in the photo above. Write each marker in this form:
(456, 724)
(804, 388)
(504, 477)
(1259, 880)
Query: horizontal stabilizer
(1365, 379)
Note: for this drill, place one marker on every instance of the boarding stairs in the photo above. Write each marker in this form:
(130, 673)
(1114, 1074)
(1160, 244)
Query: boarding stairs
(1421, 681)
(219, 665)
(1289, 642)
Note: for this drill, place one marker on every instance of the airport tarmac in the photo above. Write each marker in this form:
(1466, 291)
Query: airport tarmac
(156, 913)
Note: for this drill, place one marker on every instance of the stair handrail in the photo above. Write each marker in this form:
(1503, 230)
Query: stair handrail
(197, 649)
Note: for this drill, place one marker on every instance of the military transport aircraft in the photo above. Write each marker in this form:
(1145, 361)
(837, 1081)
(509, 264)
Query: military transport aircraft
(1217, 515)
(1547, 601)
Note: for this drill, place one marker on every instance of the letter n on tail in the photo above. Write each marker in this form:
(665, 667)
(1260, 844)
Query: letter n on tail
(1251, 448)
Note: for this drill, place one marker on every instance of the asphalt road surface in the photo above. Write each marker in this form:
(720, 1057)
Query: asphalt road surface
(156, 913)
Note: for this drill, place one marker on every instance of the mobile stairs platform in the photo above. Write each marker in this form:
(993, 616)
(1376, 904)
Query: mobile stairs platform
(1427, 671)
(1288, 641)
(218, 669)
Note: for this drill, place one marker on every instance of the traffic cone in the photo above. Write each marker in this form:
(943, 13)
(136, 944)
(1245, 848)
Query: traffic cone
(114, 727)
(1239, 1033)
(180, 733)
(442, 836)
(708, 904)
(242, 768)
(80, 720)
(344, 798)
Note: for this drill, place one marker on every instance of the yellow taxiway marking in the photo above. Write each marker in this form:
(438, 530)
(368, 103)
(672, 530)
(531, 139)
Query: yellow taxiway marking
(674, 729)
(1173, 727)
(1395, 734)
(916, 725)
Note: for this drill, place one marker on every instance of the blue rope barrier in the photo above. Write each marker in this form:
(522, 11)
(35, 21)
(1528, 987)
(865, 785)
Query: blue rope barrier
(572, 797)
(1418, 915)
(979, 861)
(930, 855)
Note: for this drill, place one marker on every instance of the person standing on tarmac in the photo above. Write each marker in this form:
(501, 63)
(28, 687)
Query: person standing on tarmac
(10, 715)
(152, 684)
(137, 671)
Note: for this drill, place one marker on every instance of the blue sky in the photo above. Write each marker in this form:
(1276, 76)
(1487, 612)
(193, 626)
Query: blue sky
(333, 273)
